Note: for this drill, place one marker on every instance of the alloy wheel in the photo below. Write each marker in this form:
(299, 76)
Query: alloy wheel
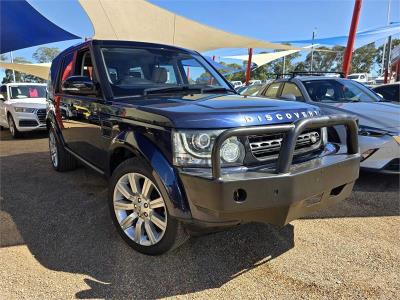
(11, 125)
(140, 209)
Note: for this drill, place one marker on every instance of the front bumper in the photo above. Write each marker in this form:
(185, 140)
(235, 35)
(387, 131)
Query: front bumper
(28, 122)
(386, 153)
(277, 197)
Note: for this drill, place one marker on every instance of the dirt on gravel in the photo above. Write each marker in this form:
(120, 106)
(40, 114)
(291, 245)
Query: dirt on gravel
(57, 241)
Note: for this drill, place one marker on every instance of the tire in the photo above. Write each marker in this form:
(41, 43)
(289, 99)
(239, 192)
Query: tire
(61, 160)
(142, 220)
(13, 128)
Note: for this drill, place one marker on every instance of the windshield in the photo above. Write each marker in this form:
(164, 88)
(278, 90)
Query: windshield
(331, 90)
(27, 91)
(135, 71)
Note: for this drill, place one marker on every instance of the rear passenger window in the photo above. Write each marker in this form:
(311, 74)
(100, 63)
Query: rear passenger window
(272, 90)
(291, 88)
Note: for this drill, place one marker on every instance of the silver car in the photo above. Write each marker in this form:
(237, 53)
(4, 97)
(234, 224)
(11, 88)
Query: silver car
(379, 121)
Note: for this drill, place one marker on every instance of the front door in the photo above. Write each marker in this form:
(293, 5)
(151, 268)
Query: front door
(82, 116)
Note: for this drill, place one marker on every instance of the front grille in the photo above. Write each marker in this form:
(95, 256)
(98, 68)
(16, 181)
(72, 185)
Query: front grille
(265, 147)
(28, 123)
(41, 114)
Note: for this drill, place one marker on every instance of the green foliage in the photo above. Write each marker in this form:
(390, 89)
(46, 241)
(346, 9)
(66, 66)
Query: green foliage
(363, 59)
(45, 54)
(379, 53)
(327, 60)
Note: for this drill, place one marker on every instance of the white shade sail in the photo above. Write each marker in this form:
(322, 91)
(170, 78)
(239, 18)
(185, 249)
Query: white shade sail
(140, 20)
(39, 70)
(263, 58)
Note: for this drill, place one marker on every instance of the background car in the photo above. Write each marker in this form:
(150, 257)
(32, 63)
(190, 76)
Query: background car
(236, 84)
(23, 107)
(250, 90)
(389, 92)
(379, 122)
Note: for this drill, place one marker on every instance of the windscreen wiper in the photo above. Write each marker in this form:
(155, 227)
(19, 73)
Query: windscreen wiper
(171, 89)
(216, 90)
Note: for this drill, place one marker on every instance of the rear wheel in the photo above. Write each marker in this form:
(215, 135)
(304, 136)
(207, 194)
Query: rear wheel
(13, 129)
(139, 211)
(61, 160)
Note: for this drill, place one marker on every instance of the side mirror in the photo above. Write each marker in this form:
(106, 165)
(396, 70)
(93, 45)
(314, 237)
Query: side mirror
(79, 85)
(290, 97)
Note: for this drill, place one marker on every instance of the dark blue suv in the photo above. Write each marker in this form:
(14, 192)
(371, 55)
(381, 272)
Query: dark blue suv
(183, 152)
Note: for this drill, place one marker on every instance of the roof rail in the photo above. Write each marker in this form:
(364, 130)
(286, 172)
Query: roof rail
(314, 73)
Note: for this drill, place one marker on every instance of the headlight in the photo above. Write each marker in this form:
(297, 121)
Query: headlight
(193, 148)
(24, 109)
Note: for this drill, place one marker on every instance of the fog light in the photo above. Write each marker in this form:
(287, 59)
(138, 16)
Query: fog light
(230, 152)
(367, 154)
(397, 138)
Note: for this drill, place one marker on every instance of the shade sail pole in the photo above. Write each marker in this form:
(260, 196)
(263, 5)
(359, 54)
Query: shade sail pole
(248, 70)
(384, 44)
(352, 35)
(12, 61)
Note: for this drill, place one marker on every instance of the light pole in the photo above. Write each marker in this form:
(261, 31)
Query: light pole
(312, 49)
(384, 44)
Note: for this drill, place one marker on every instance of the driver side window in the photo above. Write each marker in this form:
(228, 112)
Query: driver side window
(3, 91)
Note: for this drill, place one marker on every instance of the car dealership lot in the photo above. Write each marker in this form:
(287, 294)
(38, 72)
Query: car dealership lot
(60, 243)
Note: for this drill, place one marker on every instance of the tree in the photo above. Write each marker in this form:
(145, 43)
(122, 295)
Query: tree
(19, 77)
(231, 75)
(363, 59)
(45, 54)
(327, 60)
(379, 53)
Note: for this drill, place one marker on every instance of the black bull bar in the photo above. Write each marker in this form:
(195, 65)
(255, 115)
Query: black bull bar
(292, 131)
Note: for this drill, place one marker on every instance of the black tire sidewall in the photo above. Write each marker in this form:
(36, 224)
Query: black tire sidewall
(51, 131)
(137, 165)
(16, 133)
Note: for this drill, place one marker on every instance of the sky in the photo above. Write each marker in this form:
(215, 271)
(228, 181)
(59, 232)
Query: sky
(269, 20)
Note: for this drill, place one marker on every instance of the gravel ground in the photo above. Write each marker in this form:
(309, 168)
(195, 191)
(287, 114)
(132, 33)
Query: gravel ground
(60, 243)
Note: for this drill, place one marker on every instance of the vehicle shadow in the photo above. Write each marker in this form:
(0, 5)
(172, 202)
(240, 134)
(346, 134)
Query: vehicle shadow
(5, 135)
(64, 221)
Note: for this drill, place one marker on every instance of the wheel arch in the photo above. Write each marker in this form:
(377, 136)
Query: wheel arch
(133, 144)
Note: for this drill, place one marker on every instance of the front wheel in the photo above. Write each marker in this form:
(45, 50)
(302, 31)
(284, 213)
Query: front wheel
(13, 128)
(139, 211)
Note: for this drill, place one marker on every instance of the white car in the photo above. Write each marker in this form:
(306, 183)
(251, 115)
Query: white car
(254, 81)
(23, 107)
(237, 83)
